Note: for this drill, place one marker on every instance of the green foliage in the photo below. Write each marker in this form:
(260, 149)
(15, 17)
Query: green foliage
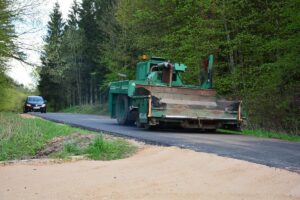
(7, 33)
(170, 29)
(88, 109)
(9, 97)
(73, 69)
(12, 96)
(255, 45)
(51, 81)
(51, 75)
(109, 150)
(70, 149)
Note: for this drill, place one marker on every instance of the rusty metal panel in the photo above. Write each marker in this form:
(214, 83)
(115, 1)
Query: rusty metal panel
(187, 103)
(177, 90)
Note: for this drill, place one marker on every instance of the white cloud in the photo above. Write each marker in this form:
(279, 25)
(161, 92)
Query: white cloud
(32, 30)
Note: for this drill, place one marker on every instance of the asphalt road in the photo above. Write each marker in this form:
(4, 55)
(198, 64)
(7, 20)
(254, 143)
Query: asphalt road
(270, 152)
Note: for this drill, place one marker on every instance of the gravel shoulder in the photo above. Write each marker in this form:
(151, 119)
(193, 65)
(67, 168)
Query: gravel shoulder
(153, 173)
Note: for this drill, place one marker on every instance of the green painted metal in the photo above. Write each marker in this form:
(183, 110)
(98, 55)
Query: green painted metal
(180, 67)
(207, 83)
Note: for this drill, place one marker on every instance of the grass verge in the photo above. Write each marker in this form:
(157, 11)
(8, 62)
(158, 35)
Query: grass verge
(23, 138)
(264, 134)
(88, 109)
(109, 150)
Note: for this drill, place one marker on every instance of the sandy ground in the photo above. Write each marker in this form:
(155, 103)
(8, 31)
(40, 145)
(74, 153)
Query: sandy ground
(153, 173)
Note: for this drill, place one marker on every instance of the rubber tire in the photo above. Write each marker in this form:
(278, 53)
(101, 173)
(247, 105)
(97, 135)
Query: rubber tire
(150, 128)
(122, 109)
(138, 124)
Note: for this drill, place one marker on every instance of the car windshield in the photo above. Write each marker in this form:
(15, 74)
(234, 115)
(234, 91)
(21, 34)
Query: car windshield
(35, 99)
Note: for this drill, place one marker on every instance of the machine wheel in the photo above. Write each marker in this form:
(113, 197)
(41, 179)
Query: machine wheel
(138, 123)
(122, 110)
(150, 128)
(147, 126)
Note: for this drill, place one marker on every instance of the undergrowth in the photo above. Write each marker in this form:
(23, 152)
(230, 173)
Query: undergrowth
(87, 109)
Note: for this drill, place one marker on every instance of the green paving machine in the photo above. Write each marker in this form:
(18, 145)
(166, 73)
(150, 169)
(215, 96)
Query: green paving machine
(158, 98)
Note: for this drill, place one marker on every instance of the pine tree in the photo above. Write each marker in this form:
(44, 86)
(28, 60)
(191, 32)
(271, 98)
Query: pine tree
(88, 26)
(72, 45)
(51, 75)
(96, 23)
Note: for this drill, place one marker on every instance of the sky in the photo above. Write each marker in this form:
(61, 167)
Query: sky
(32, 30)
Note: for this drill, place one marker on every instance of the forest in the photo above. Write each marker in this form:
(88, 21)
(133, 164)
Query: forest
(256, 45)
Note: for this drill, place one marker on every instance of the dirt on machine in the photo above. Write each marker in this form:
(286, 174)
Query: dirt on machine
(159, 98)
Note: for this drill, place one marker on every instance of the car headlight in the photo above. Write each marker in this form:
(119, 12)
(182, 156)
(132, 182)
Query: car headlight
(43, 105)
(28, 105)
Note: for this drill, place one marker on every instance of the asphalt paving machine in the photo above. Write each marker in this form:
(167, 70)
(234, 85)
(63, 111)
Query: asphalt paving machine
(158, 97)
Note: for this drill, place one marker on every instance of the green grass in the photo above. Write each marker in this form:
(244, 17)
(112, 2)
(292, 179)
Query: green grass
(22, 138)
(109, 150)
(70, 149)
(265, 134)
(88, 109)
(98, 149)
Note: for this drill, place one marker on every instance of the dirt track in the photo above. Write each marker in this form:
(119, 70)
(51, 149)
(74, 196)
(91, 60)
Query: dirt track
(153, 173)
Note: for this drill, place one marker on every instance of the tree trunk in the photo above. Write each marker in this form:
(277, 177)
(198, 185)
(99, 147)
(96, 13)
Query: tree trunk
(228, 39)
(91, 90)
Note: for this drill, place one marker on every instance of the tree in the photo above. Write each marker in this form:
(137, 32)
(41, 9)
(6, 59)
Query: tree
(7, 47)
(97, 25)
(72, 52)
(52, 79)
(7, 33)
(255, 43)
(180, 31)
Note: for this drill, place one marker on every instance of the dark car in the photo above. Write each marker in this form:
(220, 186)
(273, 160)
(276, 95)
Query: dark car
(35, 104)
